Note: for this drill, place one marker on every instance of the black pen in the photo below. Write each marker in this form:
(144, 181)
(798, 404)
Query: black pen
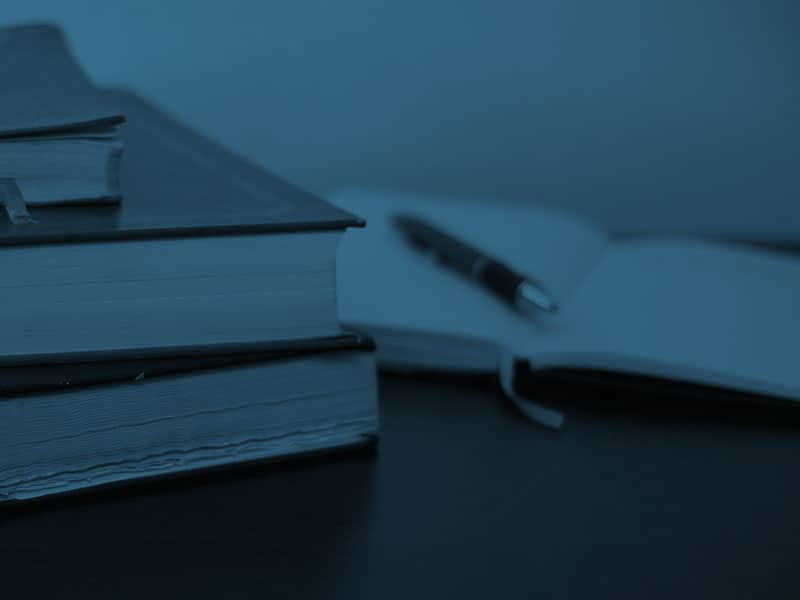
(523, 293)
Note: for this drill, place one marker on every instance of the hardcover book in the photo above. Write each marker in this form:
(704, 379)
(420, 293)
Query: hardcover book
(205, 249)
(121, 420)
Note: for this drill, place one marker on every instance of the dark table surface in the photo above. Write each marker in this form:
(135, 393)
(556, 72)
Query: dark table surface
(463, 498)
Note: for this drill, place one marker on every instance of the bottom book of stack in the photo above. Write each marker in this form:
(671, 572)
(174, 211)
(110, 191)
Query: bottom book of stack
(75, 423)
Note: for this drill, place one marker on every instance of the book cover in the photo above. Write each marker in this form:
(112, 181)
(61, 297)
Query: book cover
(176, 183)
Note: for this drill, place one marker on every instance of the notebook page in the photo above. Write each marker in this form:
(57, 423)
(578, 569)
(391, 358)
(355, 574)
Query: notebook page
(684, 309)
(383, 285)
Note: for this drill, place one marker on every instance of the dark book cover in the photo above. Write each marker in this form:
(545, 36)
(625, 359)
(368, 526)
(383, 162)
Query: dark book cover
(36, 374)
(176, 183)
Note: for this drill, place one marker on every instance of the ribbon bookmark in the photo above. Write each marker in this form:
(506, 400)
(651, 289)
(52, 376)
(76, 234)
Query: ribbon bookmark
(11, 197)
(533, 411)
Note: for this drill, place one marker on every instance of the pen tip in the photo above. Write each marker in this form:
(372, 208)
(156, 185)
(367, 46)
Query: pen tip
(530, 296)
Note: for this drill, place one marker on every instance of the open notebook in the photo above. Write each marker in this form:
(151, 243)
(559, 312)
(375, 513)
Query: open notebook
(675, 308)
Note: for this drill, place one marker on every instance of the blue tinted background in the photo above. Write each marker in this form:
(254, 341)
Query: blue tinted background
(641, 114)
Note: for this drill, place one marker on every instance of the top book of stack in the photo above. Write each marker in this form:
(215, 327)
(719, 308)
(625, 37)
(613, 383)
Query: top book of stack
(59, 136)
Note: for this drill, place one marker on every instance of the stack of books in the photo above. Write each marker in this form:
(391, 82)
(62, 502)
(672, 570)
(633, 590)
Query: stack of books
(168, 307)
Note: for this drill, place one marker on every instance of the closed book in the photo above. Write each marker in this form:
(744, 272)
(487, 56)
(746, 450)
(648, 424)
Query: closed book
(59, 135)
(130, 419)
(205, 249)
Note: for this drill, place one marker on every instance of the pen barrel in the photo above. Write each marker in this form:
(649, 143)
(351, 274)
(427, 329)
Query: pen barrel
(501, 280)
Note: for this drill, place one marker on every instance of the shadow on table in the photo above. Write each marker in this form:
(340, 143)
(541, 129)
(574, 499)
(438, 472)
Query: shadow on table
(287, 525)
(602, 394)
(612, 396)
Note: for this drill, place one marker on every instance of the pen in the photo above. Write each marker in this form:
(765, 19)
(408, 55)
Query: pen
(521, 292)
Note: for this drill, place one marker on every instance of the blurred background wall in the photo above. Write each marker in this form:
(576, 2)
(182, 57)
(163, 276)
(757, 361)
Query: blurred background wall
(641, 114)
